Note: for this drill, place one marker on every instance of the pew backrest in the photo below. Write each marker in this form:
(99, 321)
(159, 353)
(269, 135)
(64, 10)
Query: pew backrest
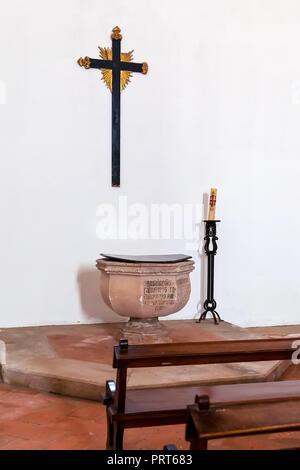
(175, 354)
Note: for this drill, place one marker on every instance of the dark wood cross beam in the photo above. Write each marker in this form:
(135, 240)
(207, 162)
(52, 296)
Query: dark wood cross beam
(116, 70)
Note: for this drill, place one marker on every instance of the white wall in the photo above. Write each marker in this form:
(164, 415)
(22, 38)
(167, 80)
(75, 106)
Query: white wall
(220, 107)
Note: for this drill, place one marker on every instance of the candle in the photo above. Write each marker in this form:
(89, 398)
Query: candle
(212, 204)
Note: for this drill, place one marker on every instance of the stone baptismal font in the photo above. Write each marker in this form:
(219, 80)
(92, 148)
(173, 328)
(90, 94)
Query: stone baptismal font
(144, 288)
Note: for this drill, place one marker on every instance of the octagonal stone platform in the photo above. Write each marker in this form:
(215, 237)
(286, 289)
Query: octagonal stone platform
(76, 360)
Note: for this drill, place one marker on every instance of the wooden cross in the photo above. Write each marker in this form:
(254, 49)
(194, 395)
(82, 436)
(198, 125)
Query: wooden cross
(117, 69)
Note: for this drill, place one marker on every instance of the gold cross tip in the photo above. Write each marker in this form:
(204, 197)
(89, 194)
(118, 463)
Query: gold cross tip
(86, 62)
(144, 68)
(116, 33)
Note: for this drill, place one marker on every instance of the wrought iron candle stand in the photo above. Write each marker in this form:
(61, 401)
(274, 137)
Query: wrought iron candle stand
(210, 249)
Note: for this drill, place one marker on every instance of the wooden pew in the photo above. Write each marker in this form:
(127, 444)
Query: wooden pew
(163, 406)
(206, 421)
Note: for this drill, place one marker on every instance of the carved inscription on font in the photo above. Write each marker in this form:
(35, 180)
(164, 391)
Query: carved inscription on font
(160, 292)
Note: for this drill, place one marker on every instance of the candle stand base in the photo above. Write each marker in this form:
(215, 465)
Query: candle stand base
(210, 309)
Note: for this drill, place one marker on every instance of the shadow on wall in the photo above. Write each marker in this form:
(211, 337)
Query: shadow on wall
(92, 303)
(202, 256)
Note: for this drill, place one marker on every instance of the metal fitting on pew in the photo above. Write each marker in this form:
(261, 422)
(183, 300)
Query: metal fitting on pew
(108, 395)
(123, 345)
(203, 402)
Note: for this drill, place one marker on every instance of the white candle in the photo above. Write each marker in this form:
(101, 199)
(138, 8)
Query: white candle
(212, 204)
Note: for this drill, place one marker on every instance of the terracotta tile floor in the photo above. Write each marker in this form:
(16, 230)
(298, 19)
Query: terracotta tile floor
(38, 420)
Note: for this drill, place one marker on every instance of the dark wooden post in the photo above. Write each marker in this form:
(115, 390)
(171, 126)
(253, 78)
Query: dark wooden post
(120, 397)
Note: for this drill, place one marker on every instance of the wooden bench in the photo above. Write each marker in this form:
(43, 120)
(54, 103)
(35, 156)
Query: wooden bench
(163, 406)
(206, 421)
